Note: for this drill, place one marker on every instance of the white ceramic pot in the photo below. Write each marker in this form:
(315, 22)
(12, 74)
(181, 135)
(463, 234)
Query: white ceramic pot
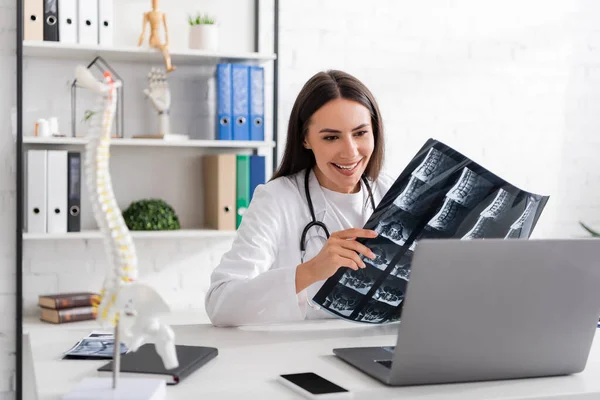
(204, 37)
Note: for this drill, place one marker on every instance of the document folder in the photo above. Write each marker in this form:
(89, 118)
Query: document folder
(67, 21)
(57, 191)
(242, 190)
(241, 101)
(74, 192)
(257, 103)
(257, 172)
(105, 19)
(219, 176)
(51, 20)
(224, 123)
(146, 362)
(88, 22)
(33, 25)
(36, 191)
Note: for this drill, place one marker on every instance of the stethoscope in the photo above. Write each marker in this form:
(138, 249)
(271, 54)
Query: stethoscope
(320, 224)
(314, 221)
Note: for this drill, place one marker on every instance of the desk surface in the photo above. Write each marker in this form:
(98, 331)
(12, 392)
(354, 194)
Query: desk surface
(251, 357)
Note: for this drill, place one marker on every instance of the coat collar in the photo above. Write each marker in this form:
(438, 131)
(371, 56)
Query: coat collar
(318, 196)
(316, 193)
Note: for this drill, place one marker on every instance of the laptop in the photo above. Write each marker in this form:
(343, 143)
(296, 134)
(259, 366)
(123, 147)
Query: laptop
(480, 310)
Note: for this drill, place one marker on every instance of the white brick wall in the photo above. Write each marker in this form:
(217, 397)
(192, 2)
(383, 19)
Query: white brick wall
(515, 85)
(180, 268)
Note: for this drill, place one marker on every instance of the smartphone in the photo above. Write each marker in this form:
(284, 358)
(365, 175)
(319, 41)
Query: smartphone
(313, 386)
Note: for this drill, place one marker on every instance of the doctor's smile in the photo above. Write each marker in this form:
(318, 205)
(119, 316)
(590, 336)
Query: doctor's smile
(348, 169)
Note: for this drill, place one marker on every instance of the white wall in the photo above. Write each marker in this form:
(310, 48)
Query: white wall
(515, 85)
(236, 33)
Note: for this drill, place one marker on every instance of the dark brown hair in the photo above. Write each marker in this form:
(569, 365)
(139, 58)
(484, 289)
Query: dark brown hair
(319, 90)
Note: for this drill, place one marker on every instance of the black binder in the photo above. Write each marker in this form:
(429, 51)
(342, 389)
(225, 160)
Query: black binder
(51, 20)
(145, 362)
(74, 192)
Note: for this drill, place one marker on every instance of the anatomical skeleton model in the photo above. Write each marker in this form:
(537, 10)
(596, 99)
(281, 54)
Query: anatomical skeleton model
(121, 296)
(155, 18)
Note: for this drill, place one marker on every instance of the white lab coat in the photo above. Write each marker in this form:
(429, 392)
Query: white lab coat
(255, 282)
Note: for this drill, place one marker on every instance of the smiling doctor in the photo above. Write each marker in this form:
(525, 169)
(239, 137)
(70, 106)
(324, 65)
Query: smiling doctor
(302, 225)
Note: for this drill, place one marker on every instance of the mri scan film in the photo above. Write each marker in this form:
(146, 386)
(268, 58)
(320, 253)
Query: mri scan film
(441, 194)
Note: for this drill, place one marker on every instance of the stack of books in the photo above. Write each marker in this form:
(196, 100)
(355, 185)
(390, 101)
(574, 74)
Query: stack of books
(68, 307)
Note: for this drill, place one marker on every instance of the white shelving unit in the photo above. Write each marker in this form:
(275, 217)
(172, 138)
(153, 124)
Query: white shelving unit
(225, 144)
(171, 170)
(136, 54)
(184, 160)
(175, 234)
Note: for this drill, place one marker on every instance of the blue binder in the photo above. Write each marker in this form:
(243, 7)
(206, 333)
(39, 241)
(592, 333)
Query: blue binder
(224, 119)
(257, 172)
(257, 103)
(240, 83)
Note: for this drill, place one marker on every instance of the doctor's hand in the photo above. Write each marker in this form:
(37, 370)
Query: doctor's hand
(340, 250)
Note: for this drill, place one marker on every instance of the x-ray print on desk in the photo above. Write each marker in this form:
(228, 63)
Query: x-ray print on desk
(440, 194)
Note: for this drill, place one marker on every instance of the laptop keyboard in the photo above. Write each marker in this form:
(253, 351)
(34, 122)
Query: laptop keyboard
(385, 363)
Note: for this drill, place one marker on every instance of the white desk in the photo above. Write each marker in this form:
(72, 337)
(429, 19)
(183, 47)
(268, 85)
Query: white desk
(251, 357)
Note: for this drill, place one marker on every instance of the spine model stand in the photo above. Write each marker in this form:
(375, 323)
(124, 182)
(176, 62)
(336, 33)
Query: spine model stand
(122, 296)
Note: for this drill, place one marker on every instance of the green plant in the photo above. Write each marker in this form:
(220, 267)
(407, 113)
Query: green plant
(200, 19)
(151, 215)
(87, 116)
(590, 230)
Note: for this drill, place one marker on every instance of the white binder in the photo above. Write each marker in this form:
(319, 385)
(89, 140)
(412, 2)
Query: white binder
(105, 25)
(88, 22)
(36, 191)
(33, 15)
(67, 21)
(57, 191)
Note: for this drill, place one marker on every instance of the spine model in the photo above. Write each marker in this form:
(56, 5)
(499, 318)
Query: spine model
(121, 292)
(117, 239)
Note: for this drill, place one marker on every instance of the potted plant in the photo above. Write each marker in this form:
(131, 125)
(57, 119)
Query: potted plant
(151, 215)
(204, 32)
(591, 231)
